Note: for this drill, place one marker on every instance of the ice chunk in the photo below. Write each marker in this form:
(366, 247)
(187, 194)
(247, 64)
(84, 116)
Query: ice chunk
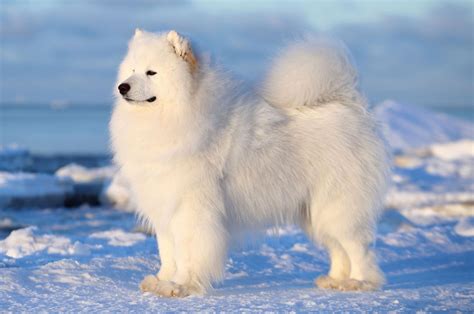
(88, 182)
(80, 174)
(104, 183)
(14, 158)
(117, 193)
(30, 189)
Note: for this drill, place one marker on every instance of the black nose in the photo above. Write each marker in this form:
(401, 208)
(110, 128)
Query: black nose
(124, 88)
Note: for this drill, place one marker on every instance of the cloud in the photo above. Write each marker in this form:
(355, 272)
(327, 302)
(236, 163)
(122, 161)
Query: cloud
(425, 60)
(140, 3)
(70, 50)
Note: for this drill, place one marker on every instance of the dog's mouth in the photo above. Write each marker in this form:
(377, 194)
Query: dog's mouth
(151, 99)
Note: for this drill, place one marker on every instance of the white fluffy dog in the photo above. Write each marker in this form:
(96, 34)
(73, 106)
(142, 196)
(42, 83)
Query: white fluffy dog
(207, 158)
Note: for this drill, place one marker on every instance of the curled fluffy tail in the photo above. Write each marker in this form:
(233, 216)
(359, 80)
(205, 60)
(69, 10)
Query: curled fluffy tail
(312, 72)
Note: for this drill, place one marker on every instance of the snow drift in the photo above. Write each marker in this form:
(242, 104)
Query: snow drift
(408, 127)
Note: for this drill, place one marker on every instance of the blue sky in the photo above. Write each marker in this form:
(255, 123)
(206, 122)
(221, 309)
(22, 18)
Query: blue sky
(417, 52)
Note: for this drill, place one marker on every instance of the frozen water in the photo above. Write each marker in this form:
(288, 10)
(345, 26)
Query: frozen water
(31, 189)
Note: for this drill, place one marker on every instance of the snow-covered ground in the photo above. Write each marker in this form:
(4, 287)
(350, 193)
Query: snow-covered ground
(92, 258)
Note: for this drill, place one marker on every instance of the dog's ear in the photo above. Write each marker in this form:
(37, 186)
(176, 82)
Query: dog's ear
(182, 47)
(138, 32)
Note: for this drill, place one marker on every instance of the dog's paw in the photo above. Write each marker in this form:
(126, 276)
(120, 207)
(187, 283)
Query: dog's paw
(170, 289)
(357, 285)
(149, 283)
(327, 282)
(163, 288)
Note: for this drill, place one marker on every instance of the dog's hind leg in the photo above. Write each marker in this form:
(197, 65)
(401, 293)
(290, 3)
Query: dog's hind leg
(347, 238)
(365, 273)
(353, 267)
(340, 266)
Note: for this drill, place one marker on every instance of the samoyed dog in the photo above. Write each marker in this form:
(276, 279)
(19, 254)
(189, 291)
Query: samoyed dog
(207, 158)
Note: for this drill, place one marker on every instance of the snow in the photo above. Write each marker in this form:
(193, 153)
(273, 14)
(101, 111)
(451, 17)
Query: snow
(118, 237)
(428, 267)
(455, 150)
(23, 242)
(439, 176)
(465, 227)
(87, 258)
(409, 127)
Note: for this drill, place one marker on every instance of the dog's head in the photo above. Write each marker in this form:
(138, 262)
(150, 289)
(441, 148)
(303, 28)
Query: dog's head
(158, 68)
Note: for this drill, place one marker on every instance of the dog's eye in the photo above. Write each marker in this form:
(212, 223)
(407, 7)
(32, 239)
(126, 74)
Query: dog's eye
(150, 73)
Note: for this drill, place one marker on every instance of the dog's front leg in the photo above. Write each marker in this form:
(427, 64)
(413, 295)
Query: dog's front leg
(200, 245)
(166, 249)
(168, 265)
